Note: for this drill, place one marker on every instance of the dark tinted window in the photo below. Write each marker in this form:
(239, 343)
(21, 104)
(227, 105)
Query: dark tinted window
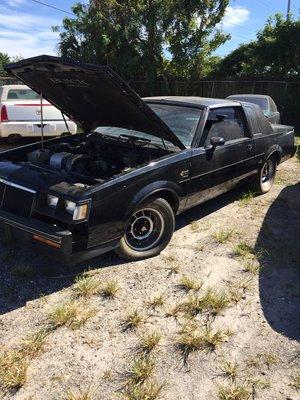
(257, 120)
(22, 94)
(181, 120)
(227, 122)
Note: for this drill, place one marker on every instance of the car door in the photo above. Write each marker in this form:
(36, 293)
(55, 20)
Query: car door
(215, 170)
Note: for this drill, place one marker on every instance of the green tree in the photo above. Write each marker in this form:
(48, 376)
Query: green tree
(135, 36)
(4, 59)
(274, 54)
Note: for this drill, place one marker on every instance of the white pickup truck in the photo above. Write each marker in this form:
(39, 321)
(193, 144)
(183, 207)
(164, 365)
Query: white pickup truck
(20, 114)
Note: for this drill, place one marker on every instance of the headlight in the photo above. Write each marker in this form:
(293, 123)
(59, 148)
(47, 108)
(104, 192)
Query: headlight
(78, 211)
(52, 200)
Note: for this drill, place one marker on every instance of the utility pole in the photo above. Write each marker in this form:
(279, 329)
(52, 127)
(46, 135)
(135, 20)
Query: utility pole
(288, 10)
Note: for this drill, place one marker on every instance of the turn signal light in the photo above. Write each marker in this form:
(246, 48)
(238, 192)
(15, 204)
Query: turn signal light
(3, 114)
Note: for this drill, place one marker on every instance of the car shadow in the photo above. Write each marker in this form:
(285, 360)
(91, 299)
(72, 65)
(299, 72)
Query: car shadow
(25, 276)
(278, 244)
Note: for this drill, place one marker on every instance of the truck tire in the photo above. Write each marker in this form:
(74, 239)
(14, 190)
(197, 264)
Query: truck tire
(265, 177)
(149, 231)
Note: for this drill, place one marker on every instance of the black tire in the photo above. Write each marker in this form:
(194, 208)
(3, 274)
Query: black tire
(265, 177)
(149, 231)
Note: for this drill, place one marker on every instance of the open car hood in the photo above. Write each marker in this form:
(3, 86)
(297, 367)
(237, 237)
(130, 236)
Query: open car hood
(91, 95)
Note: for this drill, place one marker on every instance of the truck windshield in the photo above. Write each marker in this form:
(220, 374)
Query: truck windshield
(181, 120)
(22, 94)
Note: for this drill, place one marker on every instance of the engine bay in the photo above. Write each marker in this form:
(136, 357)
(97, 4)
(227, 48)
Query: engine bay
(95, 156)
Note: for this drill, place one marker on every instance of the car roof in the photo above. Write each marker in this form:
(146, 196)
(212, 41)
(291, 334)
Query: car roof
(190, 100)
(15, 86)
(260, 96)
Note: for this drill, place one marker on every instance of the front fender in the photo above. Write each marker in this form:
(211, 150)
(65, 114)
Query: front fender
(152, 189)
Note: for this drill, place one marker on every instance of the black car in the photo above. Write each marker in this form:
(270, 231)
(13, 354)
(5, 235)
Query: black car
(138, 163)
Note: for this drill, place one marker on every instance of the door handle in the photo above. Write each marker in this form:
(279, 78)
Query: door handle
(250, 146)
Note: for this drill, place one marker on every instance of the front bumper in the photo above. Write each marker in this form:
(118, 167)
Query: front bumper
(49, 240)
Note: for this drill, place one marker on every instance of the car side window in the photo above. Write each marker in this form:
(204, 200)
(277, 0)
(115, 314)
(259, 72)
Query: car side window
(225, 122)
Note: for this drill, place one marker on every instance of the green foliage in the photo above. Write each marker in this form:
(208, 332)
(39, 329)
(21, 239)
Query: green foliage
(133, 36)
(274, 54)
(4, 59)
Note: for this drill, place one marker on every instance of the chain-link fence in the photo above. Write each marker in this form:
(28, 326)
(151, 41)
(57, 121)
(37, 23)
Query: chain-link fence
(285, 94)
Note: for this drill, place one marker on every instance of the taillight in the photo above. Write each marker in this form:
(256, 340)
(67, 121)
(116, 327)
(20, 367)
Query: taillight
(3, 115)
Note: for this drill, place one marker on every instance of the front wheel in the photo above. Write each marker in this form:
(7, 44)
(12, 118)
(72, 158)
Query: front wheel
(265, 177)
(149, 231)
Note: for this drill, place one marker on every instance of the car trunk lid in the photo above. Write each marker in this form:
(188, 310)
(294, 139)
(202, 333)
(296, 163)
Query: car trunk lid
(91, 95)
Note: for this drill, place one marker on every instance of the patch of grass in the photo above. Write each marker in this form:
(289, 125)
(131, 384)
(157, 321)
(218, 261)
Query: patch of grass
(174, 269)
(223, 236)
(149, 390)
(175, 310)
(23, 272)
(87, 394)
(33, 344)
(237, 291)
(243, 250)
(193, 339)
(70, 314)
(211, 301)
(295, 381)
(246, 197)
(110, 289)
(13, 370)
(149, 342)
(169, 258)
(229, 369)
(157, 301)
(260, 359)
(86, 286)
(251, 267)
(133, 320)
(186, 283)
(141, 370)
(233, 392)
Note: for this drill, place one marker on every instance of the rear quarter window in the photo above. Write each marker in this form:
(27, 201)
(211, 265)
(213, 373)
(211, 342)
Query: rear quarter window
(257, 121)
(22, 94)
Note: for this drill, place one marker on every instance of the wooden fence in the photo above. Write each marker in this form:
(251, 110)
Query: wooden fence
(285, 94)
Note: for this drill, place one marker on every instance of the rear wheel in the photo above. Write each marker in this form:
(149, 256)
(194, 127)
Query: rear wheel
(149, 231)
(265, 177)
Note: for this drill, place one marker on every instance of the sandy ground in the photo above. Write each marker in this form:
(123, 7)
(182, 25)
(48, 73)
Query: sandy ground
(209, 245)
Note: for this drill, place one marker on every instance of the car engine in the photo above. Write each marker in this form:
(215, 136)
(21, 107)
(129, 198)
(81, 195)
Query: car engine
(93, 156)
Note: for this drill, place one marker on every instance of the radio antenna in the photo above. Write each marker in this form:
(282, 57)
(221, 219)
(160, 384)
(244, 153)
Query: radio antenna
(42, 122)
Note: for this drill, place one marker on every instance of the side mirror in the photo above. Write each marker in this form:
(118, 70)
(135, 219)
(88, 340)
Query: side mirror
(217, 141)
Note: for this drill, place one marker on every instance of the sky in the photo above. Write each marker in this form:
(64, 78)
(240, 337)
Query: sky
(25, 25)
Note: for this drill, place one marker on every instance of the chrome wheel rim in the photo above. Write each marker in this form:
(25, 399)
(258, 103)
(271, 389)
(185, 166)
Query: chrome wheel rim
(145, 229)
(267, 174)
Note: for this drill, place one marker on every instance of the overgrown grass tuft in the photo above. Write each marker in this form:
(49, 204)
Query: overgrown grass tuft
(157, 301)
(246, 197)
(223, 236)
(234, 392)
(133, 320)
(86, 394)
(261, 359)
(149, 390)
(71, 314)
(186, 283)
(295, 381)
(211, 301)
(229, 369)
(141, 370)
(243, 250)
(33, 344)
(110, 289)
(13, 370)
(149, 342)
(86, 286)
(192, 339)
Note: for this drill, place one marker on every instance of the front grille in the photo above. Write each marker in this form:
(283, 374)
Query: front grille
(16, 199)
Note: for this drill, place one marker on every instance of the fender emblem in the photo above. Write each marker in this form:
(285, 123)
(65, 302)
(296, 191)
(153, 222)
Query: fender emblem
(184, 173)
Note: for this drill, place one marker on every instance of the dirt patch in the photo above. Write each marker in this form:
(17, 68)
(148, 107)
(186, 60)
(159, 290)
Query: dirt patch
(217, 312)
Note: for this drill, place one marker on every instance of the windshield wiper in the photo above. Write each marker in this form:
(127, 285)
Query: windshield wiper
(140, 140)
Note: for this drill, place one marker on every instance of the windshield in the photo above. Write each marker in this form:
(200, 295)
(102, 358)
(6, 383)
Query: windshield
(181, 120)
(22, 94)
(260, 101)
